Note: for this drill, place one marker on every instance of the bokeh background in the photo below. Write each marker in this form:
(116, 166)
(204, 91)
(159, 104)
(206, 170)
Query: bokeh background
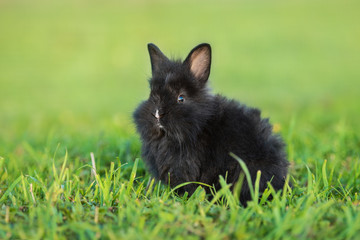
(79, 68)
(73, 71)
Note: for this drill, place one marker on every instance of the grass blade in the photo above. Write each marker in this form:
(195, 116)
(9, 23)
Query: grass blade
(132, 177)
(10, 189)
(247, 174)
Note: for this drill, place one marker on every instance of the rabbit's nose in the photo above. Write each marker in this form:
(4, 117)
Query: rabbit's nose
(158, 114)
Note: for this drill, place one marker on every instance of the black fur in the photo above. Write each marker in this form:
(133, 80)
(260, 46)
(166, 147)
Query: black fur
(191, 140)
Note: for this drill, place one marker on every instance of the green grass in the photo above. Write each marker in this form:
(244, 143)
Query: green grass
(71, 73)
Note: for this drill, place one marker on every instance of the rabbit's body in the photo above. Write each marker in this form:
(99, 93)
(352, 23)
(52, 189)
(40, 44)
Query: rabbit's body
(188, 133)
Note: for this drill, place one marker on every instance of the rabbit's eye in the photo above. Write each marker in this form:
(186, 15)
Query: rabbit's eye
(181, 98)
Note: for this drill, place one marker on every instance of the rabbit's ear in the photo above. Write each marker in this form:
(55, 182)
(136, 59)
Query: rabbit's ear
(156, 57)
(199, 61)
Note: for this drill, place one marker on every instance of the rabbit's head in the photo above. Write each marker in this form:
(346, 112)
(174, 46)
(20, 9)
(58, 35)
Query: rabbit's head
(179, 104)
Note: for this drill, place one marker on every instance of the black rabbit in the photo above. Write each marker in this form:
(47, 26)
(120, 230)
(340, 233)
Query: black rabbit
(187, 133)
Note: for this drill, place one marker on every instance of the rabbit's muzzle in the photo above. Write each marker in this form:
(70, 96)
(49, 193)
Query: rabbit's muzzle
(158, 114)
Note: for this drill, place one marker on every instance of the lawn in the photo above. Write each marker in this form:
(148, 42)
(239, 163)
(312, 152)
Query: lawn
(72, 72)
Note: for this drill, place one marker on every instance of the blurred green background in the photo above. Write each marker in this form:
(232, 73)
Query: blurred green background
(78, 66)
